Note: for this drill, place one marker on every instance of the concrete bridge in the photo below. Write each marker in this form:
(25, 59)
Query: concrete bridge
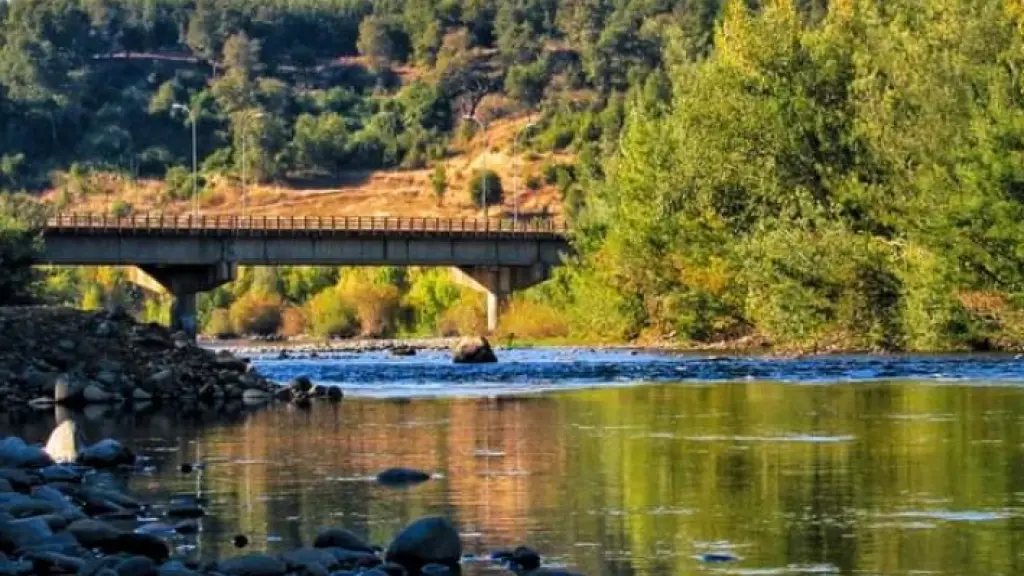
(185, 255)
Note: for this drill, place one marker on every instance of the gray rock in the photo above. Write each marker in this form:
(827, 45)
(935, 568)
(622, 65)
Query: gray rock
(430, 540)
(256, 396)
(54, 562)
(341, 538)
(108, 378)
(526, 558)
(137, 566)
(437, 570)
(23, 534)
(95, 394)
(473, 351)
(105, 454)
(301, 384)
(15, 453)
(310, 560)
(65, 442)
(94, 533)
(175, 568)
(161, 380)
(252, 565)
(140, 395)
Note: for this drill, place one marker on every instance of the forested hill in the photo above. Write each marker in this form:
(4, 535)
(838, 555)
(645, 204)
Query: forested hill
(318, 86)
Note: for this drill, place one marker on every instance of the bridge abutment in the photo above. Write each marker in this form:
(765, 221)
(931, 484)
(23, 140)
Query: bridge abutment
(498, 283)
(183, 282)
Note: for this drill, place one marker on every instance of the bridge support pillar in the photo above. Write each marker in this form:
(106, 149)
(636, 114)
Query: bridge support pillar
(183, 283)
(498, 283)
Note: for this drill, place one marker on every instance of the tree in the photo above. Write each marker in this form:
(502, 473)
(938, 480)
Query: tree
(439, 182)
(485, 187)
(241, 55)
(321, 142)
(20, 224)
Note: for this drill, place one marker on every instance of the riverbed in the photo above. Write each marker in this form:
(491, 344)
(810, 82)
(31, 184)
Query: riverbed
(619, 463)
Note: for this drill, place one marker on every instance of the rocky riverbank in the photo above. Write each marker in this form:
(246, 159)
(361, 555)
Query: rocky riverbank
(64, 509)
(68, 357)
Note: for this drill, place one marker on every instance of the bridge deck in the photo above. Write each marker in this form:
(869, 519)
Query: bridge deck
(303, 226)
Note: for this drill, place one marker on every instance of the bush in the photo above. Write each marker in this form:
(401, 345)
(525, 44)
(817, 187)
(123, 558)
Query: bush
(219, 325)
(257, 313)
(294, 322)
(465, 318)
(526, 319)
(376, 305)
(121, 209)
(178, 183)
(533, 182)
(476, 188)
(330, 316)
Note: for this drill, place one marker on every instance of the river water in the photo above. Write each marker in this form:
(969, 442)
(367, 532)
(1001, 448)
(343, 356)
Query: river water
(620, 464)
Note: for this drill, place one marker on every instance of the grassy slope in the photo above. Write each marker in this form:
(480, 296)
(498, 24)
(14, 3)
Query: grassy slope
(404, 193)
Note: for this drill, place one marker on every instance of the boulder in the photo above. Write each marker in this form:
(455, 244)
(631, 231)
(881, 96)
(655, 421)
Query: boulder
(473, 351)
(94, 533)
(65, 443)
(437, 570)
(341, 538)
(402, 477)
(147, 545)
(96, 394)
(23, 534)
(15, 453)
(252, 565)
(106, 454)
(526, 558)
(301, 384)
(430, 540)
(137, 566)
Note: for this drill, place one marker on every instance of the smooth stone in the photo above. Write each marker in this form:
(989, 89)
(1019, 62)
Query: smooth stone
(23, 534)
(390, 569)
(5, 486)
(301, 384)
(94, 394)
(256, 396)
(94, 533)
(187, 527)
(54, 562)
(341, 538)
(353, 558)
(402, 476)
(15, 453)
(335, 394)
(175, 568)
(252, 565)
(143, 545)
(141, 395)
(436, 570)
(430, 540)
(106, 454)
(303, 557)
(526, 558)
(20, 480)
(473, 350)
(137, 566)
(59, 473)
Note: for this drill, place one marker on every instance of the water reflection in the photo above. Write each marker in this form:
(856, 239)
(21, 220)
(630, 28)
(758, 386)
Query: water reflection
(874, 478)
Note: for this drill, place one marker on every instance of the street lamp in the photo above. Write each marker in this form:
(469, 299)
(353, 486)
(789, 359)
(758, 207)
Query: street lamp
(518, 166)
(246, 117)
(483, 186)
(195, 159)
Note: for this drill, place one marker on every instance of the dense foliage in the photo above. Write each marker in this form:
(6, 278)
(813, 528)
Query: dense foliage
(855, 181)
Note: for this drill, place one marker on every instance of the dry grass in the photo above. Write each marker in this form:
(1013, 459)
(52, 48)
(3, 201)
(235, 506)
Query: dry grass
(405, 193)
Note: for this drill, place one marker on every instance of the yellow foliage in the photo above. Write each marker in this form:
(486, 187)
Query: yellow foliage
(294, 321)
(257, 313)
(464, 318)
(329, 315)
(219, 325)
(376, 305)
(525, 319)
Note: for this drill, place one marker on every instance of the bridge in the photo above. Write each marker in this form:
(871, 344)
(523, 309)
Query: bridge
(185, 255)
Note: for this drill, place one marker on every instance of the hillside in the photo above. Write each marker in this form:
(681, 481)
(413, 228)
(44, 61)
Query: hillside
(406, 193)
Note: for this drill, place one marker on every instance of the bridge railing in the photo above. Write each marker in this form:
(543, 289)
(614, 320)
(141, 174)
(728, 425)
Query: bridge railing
(305, 223)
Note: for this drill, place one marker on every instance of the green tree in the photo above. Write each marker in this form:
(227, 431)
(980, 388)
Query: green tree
(485, 187)
(439, 182)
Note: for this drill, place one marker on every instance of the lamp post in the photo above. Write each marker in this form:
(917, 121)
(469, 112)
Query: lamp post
(483, 186)
(246, 117)
(515, 182)
(195, 158)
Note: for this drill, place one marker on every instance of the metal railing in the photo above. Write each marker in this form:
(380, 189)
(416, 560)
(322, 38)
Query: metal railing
(375, 224)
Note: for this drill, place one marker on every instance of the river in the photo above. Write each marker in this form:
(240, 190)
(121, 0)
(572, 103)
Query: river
(621, 464)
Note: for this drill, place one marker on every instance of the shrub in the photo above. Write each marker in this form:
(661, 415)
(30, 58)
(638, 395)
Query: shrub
(533, 182)
(526, 319)
(466, 317)
(178, 183)
(330, 316)
(219, 325)
(376, 305)
(476, 188)
(121, 209)
(257, 313)
(439, 182)
(294, 321)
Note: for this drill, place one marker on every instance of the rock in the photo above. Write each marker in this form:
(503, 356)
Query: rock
(108, 378)
(185, 511)
(403, 351)
(137, 566)
(105, 329)
(65, 442)
(430, 540)
(311, 560)
(161, 380)
(175, 568)
(15, 453)
(140, 395)
(473, 351)
(106, 454)
(402, 477)
(256, 396)
(341, 538)
(187, 527)
(551, 572)
(57, 473)
(94, 533)
(301, 384)
(334, 393)
(252, 565)
(437, 570)
(526, 558)
(94, 394)
(54, 562)
(23, 534)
